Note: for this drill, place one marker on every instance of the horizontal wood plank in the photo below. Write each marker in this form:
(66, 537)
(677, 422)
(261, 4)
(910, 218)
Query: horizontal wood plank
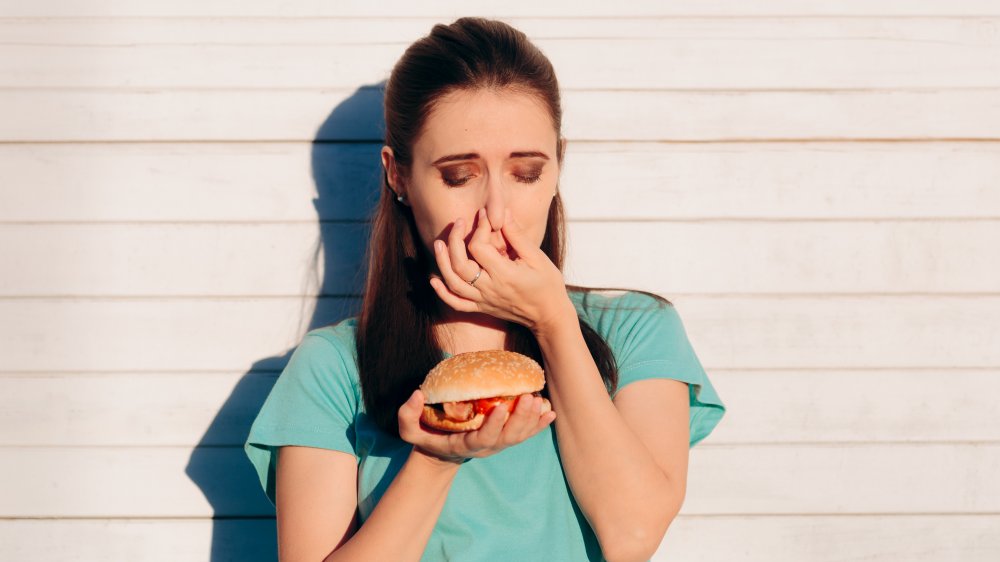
(771, 479)
(39, 115)
(736, 538)
(730, 53)
(732, 332)
(813, 406)
(261, 182)
(149, 540)
(444, 9)
(882, 538)
(687, 257)
(324, 31)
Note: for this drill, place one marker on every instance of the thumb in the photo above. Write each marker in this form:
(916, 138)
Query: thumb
(413, 405)
(409, 417)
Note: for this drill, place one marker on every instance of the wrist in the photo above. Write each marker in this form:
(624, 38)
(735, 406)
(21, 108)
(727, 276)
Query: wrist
(562, 317)
(437, 462)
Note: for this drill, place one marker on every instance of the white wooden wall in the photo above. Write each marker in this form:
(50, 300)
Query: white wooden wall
(816, 185)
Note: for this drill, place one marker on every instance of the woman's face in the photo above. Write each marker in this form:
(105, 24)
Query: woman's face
(482, 148)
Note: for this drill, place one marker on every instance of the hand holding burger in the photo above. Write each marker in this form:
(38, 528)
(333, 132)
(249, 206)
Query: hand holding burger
(476, 404)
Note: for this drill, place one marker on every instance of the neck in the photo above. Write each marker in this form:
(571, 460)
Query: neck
(470, 331)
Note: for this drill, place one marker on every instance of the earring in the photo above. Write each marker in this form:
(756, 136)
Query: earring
(401, 199)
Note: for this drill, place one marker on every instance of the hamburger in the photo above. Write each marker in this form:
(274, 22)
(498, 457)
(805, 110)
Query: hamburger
(462, 390)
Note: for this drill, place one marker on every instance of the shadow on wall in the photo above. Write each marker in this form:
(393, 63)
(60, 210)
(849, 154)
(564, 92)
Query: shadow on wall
(347, 171)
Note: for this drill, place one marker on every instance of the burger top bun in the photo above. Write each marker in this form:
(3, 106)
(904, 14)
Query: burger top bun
(482, 374)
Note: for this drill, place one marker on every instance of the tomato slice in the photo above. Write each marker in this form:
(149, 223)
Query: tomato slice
(486, 405)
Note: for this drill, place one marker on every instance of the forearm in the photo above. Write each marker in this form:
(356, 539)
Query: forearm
(621, 490)
(402, 521)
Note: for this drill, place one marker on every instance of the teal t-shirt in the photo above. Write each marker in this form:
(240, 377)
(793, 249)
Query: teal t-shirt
(531, 513)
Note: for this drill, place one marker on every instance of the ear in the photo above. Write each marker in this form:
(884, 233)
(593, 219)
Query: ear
(391, 171)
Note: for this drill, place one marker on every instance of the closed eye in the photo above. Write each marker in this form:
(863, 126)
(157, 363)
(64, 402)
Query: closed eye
(462, 181)
(457, 182)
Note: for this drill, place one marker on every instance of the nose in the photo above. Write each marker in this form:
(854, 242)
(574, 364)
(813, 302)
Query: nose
(496, 201)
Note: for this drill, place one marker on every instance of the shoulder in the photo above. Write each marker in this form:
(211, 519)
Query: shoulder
(611, 311)
(326, 357)
(636, 325)
(618, 298)
(336, 338)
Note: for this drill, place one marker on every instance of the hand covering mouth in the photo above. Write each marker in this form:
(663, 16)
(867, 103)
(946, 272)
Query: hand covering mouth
(499, 242)
(506, 250)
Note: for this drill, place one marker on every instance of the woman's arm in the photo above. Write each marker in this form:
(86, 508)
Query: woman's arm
(317, 489)
(317, 501)
(628, 498)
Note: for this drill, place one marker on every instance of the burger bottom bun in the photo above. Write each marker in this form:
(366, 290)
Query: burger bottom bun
(436, 419)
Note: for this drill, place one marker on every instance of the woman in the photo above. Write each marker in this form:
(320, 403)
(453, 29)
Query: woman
(466, 254)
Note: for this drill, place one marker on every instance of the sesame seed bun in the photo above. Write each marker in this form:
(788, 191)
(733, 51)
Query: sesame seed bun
(482, 374)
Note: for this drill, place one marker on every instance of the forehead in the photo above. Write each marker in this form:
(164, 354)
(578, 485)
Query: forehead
(485, 121)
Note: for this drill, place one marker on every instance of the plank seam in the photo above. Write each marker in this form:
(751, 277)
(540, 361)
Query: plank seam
(671, 295)
(682, 514)
(584, 220)
(575, 140)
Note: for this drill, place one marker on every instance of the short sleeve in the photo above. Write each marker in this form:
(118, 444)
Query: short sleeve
(313, 403)
(649, 341)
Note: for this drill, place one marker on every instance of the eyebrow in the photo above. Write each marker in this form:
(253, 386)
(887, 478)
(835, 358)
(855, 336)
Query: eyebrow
(473, 156)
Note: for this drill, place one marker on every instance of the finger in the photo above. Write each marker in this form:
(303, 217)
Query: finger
(482, 249)
(450, 298)
(489, 433)
(518, 238)
(522, 423)
(460, 263)
(452, 280)
(546, 419)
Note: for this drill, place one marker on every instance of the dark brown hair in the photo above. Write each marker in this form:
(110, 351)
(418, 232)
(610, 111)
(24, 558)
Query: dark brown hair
(395, 342)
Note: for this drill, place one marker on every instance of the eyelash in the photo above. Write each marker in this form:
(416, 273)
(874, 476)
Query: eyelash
(461, 182)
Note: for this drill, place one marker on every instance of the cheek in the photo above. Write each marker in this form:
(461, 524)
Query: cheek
(428, 225)
(434, 224)
(535, 218)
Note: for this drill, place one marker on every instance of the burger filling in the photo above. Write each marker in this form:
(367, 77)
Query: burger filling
(467, 409)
